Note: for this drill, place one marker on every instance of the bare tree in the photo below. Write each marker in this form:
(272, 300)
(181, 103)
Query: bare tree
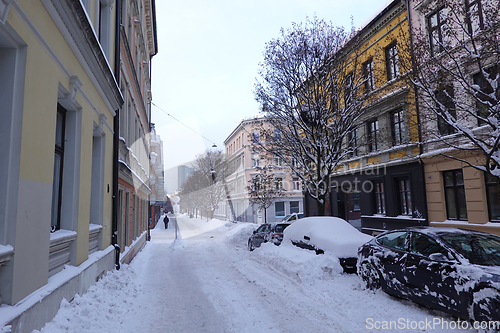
(203, 189)
(265, 188)
(308, 91)
(456, 65)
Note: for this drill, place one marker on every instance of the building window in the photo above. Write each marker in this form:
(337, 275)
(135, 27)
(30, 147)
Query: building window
(294, 207)
(493, 196)
(58, 169)
(278, 182)
(405, 205)
(277, 135)
(352, 142)
(484, 100)
(445, 105)
(255, 136)
(456, 207)
(348, 90)
(295, 184)
(279, 209)
(437, 24)
(379, 196)
(255, 160)
(392, 61)
(398, 128)
(369, 76)
(474, 16)
(373, 134)
(278, 161)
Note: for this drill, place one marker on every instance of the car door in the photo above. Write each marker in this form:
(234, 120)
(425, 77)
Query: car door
(261, 234)
(391, 257)
(431, 274)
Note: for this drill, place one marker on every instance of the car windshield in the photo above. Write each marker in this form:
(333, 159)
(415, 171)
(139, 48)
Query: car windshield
(479, 249)
(280, 227)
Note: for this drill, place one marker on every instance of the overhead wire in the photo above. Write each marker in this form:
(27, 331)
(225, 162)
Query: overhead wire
(184, 124)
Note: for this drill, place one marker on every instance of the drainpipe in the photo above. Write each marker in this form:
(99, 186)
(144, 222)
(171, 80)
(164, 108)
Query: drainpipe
(417, 109)
(116, 142)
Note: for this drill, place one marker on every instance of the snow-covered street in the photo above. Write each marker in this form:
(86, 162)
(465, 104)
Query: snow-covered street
(207, 281)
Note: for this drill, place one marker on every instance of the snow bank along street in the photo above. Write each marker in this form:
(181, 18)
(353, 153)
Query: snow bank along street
(207, 281)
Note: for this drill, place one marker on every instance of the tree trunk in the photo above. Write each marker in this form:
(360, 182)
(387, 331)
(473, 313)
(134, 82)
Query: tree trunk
(321, 205)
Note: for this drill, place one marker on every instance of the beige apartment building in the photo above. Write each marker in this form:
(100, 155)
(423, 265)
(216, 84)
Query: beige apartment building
(457, 194)
(241, 163)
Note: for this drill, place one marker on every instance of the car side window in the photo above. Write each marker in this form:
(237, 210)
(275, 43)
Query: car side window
(393, 240)
(262, 228)
(425, 245)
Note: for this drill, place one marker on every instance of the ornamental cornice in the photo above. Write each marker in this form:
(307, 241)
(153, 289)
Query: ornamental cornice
(72, 20)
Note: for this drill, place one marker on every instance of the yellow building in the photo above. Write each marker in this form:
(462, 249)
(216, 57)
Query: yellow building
(59, 96)
(379, 186)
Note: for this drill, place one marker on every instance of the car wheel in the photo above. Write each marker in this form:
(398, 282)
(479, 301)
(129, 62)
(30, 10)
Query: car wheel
(250, 245)
(370, 275)
(485, 306)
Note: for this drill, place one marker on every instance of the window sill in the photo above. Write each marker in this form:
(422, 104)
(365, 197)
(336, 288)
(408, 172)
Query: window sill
(6, 252)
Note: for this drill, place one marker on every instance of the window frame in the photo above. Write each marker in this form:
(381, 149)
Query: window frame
(278, 183)
(405, 198)
(491, 182)
(55, 223)
(398, 128)
(373, 131)
(295, 208)
(445, 96)
(296, 184)
(255, 136)
(485, 89)
(392, 61)
(379, 196)
(369, 76)
(352, 141)
(276, 210)
(437, 47)
(456, 195)
(478, 13)
(348, 88)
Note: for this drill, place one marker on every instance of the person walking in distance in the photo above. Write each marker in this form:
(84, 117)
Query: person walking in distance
(165, 220)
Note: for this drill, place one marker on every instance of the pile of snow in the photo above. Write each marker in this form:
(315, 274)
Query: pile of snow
(333, 235)
(302, 265)
(239, 233)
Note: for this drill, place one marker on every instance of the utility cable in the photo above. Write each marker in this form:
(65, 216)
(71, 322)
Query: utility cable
(183, 124)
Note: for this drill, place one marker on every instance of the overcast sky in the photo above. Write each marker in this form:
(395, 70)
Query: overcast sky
(207, 62)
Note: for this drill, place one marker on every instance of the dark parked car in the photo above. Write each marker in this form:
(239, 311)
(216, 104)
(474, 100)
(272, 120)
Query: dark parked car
(452, 270)
(267, 232)
(327, 234)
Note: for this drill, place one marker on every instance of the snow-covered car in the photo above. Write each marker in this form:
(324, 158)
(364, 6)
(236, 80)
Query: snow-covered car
(452, 270)
(326, 234)
(292, 217)
(267, 232)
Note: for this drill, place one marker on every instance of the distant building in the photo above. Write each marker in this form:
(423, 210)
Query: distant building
(176, 176)
(241, 163)
(158, 197)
